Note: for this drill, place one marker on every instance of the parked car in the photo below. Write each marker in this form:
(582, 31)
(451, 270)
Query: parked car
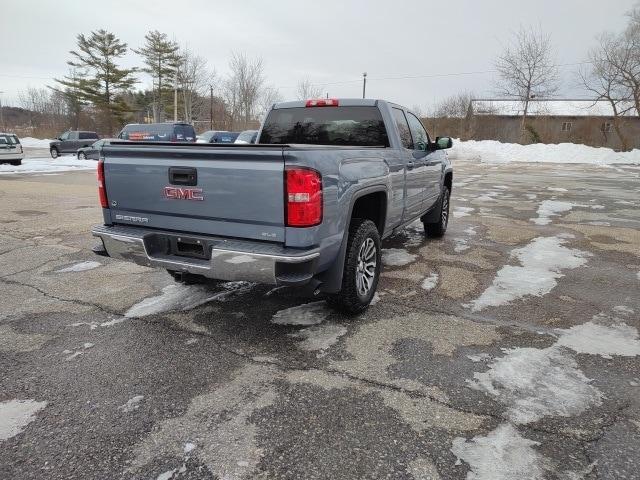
(248, 136)
(158, 132)
(70, 141)
(353, 171)
(10, 149)
(92, 152)
(217, 136)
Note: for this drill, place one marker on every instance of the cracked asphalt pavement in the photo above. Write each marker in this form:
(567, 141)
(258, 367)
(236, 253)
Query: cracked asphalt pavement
(507, 349)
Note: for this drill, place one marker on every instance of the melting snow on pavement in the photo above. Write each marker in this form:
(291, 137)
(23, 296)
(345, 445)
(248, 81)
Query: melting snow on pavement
(132, 404)
(462, 211)
(594, 339)
(430, 282)
(15, 415)
(534, 383)
(551, 208)
(396, 257)
(80, 267)
(319, 337)
(177, 297)
(541, 264)
(306, 314)
(502, 455)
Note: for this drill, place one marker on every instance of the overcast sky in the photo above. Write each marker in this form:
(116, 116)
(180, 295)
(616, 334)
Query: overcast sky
(330, 42)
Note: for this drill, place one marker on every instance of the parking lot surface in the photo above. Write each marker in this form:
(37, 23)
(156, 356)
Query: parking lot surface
(508, 349)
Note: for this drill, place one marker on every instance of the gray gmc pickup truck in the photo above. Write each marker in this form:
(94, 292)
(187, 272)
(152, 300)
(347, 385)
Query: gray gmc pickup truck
(307, 205)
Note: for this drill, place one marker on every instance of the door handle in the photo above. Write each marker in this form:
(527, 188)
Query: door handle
(410, 165)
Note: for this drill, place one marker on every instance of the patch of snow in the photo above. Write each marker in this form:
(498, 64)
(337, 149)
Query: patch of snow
(132, 404)
(74, 355)
(541, 265)
(168, 475)
(319, 337)
(430, 282)
(551, 208)
(189, 447)
(396, 257)
(80, 267)
(306, 314)
(557, 189)
(624, 202)
(462, 211)
(594, 339)
(41, 165)
(623, 310)
(471, 231)
(178, 297)
(598, 223)
(534, 383)
(597, 207)
(488, 197)
(502, 455)
(501, 187)
(31, 142)
(88, 345)
(491, 151)
(460, 245)
(531, 196)
(111, 323)
(479, 357)
(191, 341)
(376, 298)
(15, 415)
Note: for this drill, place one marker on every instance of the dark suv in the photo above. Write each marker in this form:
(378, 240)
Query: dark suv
(159, 132)
(71, 141)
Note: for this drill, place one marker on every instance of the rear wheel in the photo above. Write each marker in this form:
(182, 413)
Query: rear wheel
(361, 269)
(54, 152)
(16, 162)
(438, 229)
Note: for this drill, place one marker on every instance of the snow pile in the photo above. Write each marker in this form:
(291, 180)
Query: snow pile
(594, 339)
(30, 142)
(491, 151)
(48, 165)
(80, 267)
(551, 208)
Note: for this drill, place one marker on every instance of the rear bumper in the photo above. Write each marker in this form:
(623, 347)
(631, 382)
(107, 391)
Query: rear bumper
(225, 259)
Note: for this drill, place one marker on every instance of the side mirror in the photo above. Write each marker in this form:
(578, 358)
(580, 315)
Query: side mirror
(444, 143)
(421, 146)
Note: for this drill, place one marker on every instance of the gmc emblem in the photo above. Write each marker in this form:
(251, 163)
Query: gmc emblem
(177, 193)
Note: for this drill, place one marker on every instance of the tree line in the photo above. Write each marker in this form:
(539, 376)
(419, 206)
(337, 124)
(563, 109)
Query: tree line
(99, 93)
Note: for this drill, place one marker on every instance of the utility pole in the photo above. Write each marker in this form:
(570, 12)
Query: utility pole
(210, 107)
(1, 114)
(364, 84)
(175, 96)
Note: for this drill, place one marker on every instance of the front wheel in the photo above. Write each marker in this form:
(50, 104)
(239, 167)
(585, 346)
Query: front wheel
(54, 153)
(82, 156)
(361, 269)
(438, 228)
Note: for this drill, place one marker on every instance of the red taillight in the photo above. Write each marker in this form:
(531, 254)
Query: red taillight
(102, 192)
(304, 197)
(323, 102)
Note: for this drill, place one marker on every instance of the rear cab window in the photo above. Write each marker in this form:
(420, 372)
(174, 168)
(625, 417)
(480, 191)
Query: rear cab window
(353, 126)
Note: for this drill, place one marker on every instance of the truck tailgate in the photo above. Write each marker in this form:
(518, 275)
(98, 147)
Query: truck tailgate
(230, 191)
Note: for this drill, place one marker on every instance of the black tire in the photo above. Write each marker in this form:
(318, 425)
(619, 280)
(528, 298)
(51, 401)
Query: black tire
(186, 278)
(82, 156)
(55, 153)
(438, 229)
(16, 163)
(351, 299)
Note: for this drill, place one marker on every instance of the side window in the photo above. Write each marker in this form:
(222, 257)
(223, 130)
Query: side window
(73, 135)
(403, 128)
(418, 132)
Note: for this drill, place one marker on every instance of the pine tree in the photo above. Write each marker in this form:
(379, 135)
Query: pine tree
(161, 57)
(98, 79)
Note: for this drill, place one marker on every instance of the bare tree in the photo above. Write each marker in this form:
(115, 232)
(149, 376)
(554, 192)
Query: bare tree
(305, 90)
(193, 83)
(603, 79)
(526, 69)
(270, 95)
(455, 106)
(243, 87)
